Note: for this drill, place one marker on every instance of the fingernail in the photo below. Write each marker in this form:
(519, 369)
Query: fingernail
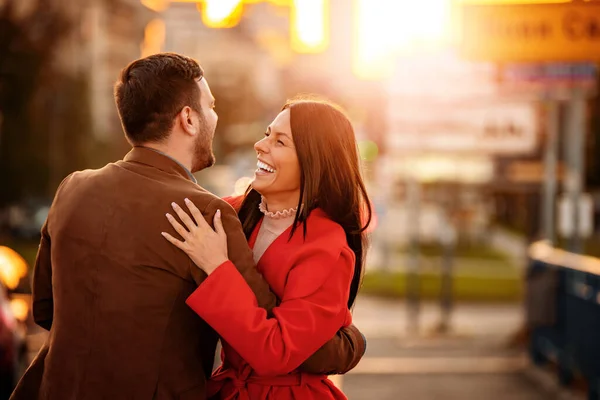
(218, 213)
(187, 201)
(169, 215)
(163, 233)
(173, 204)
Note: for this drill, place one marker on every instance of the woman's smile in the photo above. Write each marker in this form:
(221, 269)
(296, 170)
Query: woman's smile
(263, 168)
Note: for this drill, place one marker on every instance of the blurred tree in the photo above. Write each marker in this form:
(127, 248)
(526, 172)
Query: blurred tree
(30, 32)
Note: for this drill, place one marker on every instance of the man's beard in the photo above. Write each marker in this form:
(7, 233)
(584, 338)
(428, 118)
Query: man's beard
(203, 152)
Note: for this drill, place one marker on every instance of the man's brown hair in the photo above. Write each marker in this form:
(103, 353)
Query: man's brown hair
(151, 91)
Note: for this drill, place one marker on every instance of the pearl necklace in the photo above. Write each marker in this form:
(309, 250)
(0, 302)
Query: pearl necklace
(290, 212)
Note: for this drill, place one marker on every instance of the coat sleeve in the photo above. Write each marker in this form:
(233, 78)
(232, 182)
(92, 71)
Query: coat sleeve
(240, 254)
(42, 299)
(339, 355)
(313, 309)
(42, 294)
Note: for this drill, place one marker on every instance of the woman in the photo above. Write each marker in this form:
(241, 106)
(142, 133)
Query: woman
(302, 217)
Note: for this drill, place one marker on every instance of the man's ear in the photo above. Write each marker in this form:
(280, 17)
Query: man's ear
(186, 119)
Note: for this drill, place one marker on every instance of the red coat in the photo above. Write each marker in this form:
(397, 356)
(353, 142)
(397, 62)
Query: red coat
(312, 278)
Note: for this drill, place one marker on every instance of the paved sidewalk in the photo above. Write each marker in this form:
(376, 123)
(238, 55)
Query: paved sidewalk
(472, 362)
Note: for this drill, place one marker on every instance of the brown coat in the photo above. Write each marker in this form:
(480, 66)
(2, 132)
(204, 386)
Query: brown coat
(111, 290)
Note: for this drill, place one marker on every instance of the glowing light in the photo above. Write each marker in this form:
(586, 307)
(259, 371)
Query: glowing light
(20, 308)
(221, 13)
(372, 44)
(241, 185)
(310, 25)
(154, 37)
(383, 29)
(12, 267)
(156, 5)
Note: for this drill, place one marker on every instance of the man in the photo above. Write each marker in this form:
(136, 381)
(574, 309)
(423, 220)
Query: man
(109, 288)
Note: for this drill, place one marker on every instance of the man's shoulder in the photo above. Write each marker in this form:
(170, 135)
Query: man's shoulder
(209, 202)
(82, 175)
(158, 184)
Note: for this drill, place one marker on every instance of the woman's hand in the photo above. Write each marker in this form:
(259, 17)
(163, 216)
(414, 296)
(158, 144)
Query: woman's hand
(206, 247)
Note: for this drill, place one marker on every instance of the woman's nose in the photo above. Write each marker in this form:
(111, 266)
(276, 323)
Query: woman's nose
(261, 146)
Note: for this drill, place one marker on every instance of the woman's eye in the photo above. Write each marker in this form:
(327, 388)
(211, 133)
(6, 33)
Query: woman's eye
(280, 142)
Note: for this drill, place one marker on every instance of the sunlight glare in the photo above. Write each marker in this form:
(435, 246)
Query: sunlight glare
(309, 25)
(384, 29)
(221, 13)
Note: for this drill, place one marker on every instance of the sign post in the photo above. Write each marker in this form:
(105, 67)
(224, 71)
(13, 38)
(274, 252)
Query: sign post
(545, 34)
(575, 153)
(553, 83)
(550, 163)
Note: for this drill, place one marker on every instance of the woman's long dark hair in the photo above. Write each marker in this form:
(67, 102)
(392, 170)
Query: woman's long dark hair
(330, 178)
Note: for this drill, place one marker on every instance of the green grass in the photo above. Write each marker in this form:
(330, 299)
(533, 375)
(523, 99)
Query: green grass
(500, 288)
(462, 250)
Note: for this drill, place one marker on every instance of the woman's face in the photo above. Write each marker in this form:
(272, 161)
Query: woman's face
(278, 172)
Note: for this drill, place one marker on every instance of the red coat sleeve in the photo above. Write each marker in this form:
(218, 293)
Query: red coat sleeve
(313, 309)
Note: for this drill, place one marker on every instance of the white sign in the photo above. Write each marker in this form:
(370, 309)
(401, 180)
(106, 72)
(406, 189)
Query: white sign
(566, 225)
(442, 75)
(467, 126)
(438, 102)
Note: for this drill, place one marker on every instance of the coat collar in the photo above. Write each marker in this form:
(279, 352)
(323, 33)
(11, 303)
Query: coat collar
(160, 160)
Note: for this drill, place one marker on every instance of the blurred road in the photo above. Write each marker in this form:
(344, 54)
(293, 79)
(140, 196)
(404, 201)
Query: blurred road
(474, 361)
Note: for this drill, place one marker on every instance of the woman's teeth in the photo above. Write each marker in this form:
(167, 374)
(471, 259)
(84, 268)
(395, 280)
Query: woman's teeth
(264, 167)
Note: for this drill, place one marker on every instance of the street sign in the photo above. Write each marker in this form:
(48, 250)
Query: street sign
(477, 126)
(550, 73)
(531, 32)
(547, 80)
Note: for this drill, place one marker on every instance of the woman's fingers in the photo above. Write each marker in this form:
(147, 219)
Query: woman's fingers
(191, 225)
(177, 226)
(198, 217)
(218, 223)
(174, 241)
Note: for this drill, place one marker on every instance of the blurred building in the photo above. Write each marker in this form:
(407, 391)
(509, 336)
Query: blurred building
(107, 35)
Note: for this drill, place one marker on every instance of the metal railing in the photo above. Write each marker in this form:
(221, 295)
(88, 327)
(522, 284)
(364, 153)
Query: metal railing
(563, 313)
